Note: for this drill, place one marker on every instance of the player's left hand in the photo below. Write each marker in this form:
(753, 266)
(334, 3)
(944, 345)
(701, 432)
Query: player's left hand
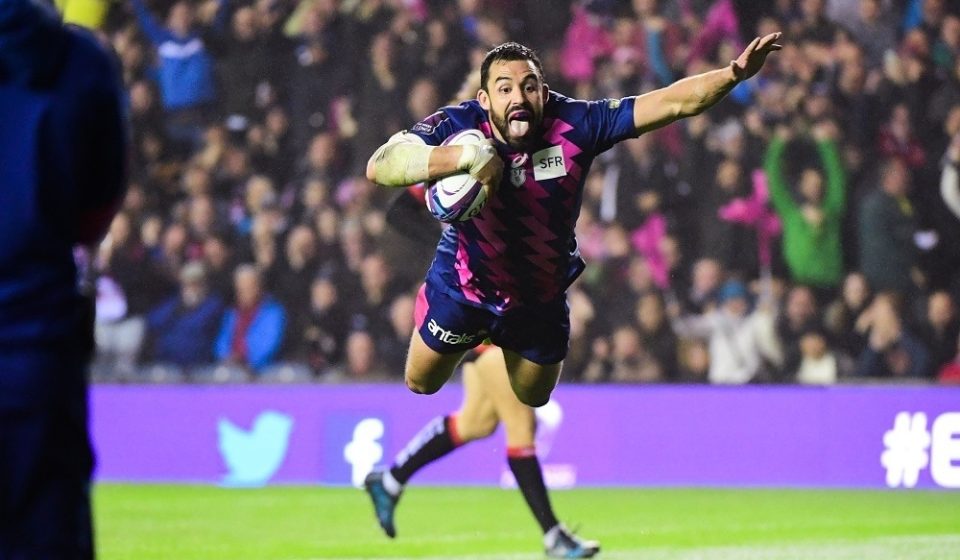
(752, 58)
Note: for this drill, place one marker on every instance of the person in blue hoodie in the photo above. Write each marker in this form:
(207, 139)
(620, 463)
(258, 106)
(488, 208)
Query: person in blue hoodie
(63, 141)
(185, 68)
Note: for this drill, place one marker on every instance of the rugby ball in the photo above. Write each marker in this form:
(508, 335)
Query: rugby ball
(458, 197)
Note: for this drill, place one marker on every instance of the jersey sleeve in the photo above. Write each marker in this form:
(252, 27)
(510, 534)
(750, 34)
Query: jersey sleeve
(102, 163)
(611, 121)
(434, 129)
(449, 120)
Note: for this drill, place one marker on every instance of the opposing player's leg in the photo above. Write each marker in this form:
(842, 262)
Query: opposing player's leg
(489, 374)
(520, 423)
(475, 419)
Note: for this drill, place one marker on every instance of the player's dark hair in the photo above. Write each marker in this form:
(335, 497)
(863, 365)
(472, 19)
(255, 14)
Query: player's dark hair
(507, 52)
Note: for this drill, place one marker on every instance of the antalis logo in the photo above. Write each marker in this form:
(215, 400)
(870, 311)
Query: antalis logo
(448, 337)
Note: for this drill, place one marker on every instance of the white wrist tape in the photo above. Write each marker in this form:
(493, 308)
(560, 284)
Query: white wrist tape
(474, 157)
(402, 162)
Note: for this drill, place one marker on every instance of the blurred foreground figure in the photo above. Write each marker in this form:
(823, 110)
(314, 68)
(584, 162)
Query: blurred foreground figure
(62, 146)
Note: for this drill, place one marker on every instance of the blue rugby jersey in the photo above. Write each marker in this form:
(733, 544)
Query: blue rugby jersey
(521, 248)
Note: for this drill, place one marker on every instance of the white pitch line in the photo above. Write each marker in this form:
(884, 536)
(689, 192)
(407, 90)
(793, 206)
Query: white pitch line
(933, 547)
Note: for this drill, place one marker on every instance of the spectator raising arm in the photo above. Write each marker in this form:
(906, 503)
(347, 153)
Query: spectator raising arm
(811, 240)
(835, 199)
(155, 32)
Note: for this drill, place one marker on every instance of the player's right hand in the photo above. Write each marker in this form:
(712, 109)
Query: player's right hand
(484, 164)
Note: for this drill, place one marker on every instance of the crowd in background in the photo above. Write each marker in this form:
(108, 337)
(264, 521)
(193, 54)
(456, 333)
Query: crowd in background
(806, 229)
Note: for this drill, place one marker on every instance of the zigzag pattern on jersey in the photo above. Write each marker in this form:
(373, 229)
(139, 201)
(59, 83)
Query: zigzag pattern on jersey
(556, 131)
(484, 274)
(542, 247)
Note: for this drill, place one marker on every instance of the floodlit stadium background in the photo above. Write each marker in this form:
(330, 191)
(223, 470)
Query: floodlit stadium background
(249, 144)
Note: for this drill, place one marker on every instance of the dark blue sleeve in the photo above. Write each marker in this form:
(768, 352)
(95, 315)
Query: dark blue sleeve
(610, 121)
(102, 161)
(434, 129)
(442, 124)
(153, 30)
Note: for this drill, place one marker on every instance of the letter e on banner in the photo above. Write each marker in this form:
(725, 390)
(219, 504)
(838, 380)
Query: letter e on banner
(945, 450)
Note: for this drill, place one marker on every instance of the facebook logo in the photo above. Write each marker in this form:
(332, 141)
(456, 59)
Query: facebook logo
(353, 445)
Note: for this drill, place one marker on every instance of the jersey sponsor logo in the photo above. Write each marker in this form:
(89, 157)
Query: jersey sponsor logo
(423, 127)
(447, 336)
(549, 164)
(518, 175)
(429, 124)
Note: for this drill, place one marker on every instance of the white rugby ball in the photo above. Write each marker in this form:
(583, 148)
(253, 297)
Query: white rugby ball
(459, 197)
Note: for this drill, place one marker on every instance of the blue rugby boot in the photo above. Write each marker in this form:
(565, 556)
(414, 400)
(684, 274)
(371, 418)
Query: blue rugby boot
(383, 501)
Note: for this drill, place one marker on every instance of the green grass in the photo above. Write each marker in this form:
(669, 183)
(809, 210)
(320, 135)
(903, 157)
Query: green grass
(146, 522)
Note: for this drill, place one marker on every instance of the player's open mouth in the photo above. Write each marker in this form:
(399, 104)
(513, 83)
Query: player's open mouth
(519, 122)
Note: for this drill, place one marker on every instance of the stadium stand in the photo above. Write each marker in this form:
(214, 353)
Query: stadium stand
(796, 233)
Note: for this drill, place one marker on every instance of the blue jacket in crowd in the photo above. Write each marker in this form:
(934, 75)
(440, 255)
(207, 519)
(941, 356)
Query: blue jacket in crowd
(263, 338)
(182, 336)
(185, 67)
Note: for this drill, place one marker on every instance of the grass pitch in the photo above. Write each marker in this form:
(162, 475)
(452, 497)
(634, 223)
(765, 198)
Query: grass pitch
(147, 522)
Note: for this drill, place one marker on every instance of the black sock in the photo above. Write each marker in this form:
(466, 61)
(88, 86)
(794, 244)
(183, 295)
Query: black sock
(526, 469)
(435, 440)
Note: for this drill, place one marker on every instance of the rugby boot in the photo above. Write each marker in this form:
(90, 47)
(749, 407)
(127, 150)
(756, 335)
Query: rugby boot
(560, 542)
(383, 501)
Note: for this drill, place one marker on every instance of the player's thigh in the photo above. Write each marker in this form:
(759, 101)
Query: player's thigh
(426, 369)
(445, 330)
(519, 420)
(531, 382)
(477, 417)
(534, 340)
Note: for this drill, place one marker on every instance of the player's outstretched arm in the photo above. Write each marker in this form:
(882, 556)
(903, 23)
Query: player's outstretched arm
(405, 160)
(695, 94)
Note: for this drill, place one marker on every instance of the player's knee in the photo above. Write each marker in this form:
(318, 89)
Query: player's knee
(534, 396)
(421, 386)
(536, 401)
(471, 429)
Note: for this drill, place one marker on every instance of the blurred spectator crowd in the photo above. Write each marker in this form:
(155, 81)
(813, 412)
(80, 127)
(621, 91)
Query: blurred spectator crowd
(806, 229)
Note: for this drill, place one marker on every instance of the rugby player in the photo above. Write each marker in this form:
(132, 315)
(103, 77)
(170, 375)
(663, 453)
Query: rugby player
(503, 274)
(487, 401)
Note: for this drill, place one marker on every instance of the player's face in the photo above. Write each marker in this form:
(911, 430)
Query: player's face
(514, 97)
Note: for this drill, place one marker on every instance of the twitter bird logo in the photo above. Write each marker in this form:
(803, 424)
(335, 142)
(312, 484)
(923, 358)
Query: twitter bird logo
(253, 457)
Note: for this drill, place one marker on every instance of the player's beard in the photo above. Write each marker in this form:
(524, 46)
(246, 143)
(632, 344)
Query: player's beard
(502, 124)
